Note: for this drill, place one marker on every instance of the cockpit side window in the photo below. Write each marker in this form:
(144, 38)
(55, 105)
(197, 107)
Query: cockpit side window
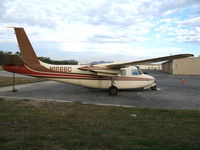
(134, 72)
(122, 72)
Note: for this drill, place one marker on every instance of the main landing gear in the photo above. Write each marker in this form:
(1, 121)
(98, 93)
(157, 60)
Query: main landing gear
(113, 90)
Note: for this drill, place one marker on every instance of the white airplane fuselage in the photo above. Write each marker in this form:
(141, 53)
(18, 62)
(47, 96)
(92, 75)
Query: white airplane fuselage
(72, 74)
(89, 79)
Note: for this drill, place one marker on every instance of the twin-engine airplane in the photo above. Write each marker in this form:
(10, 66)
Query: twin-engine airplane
(111, 76)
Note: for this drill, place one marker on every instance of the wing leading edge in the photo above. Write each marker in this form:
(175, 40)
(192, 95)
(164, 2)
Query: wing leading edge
(153, 60)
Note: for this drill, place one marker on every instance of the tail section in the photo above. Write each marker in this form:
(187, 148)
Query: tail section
(27, 63)
(27, 53)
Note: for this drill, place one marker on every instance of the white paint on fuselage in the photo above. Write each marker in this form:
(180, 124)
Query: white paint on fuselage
(104, 84)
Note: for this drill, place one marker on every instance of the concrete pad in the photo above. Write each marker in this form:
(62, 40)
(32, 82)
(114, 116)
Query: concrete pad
(172, 93)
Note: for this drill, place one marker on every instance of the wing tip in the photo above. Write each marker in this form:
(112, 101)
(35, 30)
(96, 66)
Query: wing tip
(187, 55)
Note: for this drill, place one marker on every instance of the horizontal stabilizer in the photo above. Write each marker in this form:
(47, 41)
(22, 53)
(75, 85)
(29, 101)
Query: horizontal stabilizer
(13, 60)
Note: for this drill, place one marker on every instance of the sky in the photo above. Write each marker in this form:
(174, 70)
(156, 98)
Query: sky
(109, 30)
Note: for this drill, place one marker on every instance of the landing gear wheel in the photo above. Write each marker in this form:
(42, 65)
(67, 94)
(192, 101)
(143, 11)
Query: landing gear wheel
(153, 88)
(113, 90)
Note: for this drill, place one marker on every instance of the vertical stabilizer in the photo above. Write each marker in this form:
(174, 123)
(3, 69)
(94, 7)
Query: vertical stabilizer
(27, 53)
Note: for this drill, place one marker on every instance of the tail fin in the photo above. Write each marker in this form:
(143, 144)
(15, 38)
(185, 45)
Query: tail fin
(27, 53)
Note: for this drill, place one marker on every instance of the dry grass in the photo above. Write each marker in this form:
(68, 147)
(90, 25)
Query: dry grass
(29, 125)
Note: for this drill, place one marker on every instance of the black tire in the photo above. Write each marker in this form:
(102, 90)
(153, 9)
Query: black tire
(153, 88)
(113, 90)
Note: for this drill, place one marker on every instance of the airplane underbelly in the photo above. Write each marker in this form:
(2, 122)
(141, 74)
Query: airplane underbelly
(105, 84)
(133, 84)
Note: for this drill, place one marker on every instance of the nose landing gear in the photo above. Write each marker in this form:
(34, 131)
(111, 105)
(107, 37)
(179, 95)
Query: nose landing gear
(153, 88)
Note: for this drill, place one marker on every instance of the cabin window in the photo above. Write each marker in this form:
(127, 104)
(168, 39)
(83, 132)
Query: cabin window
(122, 72)
(134, 72)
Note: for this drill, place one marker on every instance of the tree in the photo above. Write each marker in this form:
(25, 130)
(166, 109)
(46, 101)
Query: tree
(3, 55)
(44, 59)
(58, 62)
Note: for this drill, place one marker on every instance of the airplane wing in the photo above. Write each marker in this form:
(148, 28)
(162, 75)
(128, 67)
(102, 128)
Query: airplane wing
(100, 70)
(147, 61)
(112, 69)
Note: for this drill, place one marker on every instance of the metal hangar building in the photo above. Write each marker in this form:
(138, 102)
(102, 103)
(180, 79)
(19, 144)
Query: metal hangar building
(184, 66)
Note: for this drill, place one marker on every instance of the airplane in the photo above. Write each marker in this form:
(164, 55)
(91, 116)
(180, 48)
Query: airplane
(110, 76)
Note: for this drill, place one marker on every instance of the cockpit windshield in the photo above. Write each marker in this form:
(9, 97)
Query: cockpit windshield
(139, 71)
(136, 72)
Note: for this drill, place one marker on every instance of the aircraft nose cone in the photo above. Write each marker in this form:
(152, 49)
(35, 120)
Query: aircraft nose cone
(153, 79)
(150, 77)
